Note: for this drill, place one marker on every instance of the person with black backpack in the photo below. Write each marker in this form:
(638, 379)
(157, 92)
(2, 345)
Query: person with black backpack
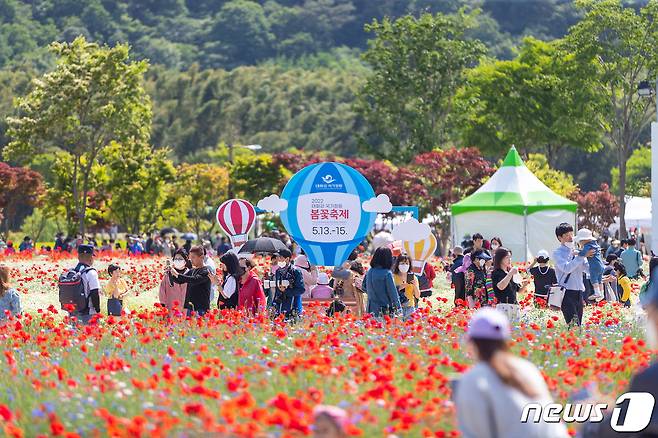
(79, 288)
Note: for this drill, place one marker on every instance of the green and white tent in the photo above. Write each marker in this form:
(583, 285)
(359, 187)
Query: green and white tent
(515, 206)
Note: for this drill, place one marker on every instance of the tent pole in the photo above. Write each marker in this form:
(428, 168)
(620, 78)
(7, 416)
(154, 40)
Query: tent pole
(525, 232)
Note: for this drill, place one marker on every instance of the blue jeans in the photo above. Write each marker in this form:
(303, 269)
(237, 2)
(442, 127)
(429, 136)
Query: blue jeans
(199, 313)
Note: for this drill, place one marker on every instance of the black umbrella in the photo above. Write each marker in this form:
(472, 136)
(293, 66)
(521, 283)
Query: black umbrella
(263, 244)
(169, 230)
(189, 236)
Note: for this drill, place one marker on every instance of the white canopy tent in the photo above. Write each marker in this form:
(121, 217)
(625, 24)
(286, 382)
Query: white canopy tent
(638, 217)
(516, 207)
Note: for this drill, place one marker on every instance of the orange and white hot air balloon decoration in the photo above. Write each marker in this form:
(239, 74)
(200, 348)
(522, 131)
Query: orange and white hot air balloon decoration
(420, 252)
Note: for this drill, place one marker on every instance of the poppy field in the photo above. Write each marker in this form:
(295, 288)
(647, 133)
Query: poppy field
(231, 374)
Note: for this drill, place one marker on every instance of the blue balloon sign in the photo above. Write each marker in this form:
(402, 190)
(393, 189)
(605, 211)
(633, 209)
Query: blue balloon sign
(325, 214)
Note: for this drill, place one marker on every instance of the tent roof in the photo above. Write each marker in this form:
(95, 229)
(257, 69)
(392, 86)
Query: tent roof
(515, 189)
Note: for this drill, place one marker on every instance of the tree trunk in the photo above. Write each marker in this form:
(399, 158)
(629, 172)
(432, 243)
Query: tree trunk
(76, 201)
(622, 193)
(85, 191)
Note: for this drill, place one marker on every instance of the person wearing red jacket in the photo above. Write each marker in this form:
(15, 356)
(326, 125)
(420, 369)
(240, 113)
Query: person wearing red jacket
(250, 295)
(426, 281)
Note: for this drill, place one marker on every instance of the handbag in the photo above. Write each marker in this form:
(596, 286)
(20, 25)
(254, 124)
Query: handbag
(556, 295)
(513, 311)
(610, 294)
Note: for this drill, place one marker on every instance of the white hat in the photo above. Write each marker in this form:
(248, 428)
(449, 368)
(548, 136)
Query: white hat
(489, 323)
(542, 253)
(584, 234)
(323, 278)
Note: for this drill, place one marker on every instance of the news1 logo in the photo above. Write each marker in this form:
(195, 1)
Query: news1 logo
(632, 412)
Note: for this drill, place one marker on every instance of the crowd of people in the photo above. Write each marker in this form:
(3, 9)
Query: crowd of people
(482, 274)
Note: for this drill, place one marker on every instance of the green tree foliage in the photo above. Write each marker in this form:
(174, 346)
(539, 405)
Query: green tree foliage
(271, 177)
(268, 105)
(94, 96)
(200, 188)
(58, 200)
(623, 44)
(638, 173)
(542, 99)
(40, 225)
(240, 31)
(558, 181)
(417, 66)
(178, 33)
(138, 184)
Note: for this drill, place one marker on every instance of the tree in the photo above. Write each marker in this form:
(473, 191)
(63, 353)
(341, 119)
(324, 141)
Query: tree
(20, 188)
(40, 224)
(138, 180)
(597, 209)
(417, 65)
(558, 181)
(201, 188)
(59, 201)
(623, 43)
(271, 177)
(448, 176)
(402, 186)
(93, 96)
(240, 34)
(638, 173)
(542, 98)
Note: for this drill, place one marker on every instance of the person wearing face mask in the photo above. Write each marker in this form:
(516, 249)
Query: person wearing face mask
(407, 284)
(228, 293)
(569, 269)
(172, 294)
(250, 296)
(289, 285)
(476, 279)
(495, 244)
(543, 275)
(197, 299)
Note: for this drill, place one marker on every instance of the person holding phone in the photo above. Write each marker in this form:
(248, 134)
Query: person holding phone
(507, 282)
(407, 284)
(197, 299)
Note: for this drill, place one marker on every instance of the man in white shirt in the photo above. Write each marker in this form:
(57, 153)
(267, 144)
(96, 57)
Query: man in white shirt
(91, 284)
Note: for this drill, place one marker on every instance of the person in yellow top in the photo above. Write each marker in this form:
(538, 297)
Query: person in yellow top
(407, 285)
(623, 284)
(116, 290)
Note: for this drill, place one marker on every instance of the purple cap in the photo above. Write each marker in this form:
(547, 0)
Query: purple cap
(489, 323)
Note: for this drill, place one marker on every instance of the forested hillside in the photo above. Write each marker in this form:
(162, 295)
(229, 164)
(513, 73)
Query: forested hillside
(284, 74)
(227, 34)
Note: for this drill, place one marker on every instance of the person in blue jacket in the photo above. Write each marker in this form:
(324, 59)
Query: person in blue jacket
(289, 285)
(379, 284)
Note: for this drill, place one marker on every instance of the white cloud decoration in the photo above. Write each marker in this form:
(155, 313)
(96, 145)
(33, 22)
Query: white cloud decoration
(411, 231)
(380, 204)
(273, 204)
